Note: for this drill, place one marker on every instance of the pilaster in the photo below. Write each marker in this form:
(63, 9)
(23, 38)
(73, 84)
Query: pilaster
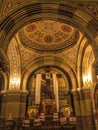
(14, 104)
(83, 110)
(3, 107)
(88, 115)
(77, 108)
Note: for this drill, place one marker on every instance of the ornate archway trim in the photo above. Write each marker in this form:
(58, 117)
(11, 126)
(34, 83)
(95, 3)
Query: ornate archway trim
(38, 11)
(48, 61)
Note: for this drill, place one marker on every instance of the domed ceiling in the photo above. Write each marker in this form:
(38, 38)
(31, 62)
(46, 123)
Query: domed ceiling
(47, 35)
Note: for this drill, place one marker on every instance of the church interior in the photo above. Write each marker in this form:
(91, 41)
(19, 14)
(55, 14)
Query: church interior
(49, 64)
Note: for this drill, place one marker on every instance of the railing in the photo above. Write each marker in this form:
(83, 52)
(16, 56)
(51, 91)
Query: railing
(51, 126)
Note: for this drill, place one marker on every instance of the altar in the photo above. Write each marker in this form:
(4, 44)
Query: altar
(46, 117)
(51, 126)
(46, 112)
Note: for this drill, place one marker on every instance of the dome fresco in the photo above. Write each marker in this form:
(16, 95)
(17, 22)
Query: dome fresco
(47, 35)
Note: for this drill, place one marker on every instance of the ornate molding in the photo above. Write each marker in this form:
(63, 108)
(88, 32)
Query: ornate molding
(16, 91)
(48, 35)
(7, 6)
(90, 6)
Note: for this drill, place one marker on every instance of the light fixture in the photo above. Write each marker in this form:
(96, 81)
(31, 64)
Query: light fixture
(87, 79)
(15, 83)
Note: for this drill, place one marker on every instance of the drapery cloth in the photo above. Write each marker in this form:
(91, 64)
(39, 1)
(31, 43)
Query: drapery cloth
(55, 87)
(38, 89)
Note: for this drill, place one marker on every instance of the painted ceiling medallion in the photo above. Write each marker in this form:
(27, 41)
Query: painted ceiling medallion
(48, 39)
(47, 35)
(31, 28)
(66, 28)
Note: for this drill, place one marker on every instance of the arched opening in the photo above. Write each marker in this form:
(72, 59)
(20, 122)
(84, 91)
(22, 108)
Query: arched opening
(47, 97)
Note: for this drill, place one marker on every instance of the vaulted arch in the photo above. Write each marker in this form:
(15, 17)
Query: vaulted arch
(38, 11)
(49, 61)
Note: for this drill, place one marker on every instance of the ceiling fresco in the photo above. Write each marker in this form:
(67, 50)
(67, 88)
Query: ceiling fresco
(47, 35)
(38, 38)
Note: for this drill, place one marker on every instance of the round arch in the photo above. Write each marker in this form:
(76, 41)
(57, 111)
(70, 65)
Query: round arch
(53, 11)
(49, 61)
(54, 69)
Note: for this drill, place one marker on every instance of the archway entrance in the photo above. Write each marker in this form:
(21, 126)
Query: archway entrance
(49, 83)
(50, 99)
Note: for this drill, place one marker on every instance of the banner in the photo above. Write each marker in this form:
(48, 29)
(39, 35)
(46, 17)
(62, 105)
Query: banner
(55, 86)
(37, 89)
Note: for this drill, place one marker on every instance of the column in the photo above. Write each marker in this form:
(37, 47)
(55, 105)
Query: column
(77, 108)
(89, 109)
(95, 66)
(14, 105)
(4, 102)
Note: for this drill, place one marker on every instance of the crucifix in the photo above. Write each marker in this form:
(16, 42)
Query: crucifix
(47, 86)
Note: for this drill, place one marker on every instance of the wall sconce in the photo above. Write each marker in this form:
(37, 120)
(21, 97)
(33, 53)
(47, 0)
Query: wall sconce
(15, 83)
(87, 80)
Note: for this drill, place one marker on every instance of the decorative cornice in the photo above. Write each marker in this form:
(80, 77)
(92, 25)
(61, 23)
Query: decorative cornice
(16, 91)
(85, 89)
(9, 5)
